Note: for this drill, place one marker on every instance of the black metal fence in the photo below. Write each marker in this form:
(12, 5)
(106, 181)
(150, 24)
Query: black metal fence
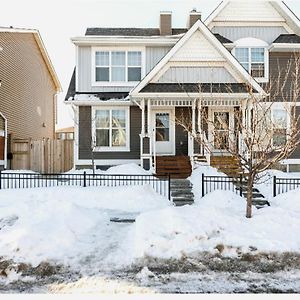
(283, 185)
(213, 183)
(9, 180)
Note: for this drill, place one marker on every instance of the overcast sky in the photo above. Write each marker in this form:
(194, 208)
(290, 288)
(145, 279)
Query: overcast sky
(59, 20)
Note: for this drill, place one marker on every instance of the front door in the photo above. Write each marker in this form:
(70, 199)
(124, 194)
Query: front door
(164, 131)
(221, 129)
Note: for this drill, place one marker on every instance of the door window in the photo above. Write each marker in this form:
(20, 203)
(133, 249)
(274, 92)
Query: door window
(221, 130)
(162, 121)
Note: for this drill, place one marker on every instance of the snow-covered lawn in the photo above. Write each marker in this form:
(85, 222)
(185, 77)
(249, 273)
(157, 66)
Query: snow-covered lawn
(71, 225)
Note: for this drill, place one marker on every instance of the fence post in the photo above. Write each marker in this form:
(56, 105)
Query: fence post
(274, 186)
(0, 179)
(241, 185)
(84, 179)
(202, 184)
(169, 186)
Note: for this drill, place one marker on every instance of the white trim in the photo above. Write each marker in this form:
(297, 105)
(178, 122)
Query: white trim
(76, 133)
(99, 103)
(127, 128)
(292, 21)
(172, 129)
(291, 161)
(121, 40)
(76, 69)
(106, 162)
(121, 49)
(250, 43)
(4, 162)
(284, 47)
(215, 42)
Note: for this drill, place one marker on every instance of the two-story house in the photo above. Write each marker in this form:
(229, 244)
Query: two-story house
(130, 84)
(28, 89)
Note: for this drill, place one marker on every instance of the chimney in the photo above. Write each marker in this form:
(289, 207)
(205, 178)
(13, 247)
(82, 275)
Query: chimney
(193, 18)
(165, 23)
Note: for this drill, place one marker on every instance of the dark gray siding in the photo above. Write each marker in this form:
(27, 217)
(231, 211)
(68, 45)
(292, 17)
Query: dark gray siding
(85, 133)
(181, 135)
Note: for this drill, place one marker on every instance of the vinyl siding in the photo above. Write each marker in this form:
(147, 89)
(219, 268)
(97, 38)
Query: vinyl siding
(85, 74)
(154, 55)
(234, 33)
(85, 133)
(196, 74)
(278, 65)
(27, 90)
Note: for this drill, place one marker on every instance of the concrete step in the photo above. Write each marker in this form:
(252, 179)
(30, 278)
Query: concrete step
(182, 202)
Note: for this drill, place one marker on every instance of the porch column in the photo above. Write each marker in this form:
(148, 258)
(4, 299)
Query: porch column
(152, 153)
(191, 135)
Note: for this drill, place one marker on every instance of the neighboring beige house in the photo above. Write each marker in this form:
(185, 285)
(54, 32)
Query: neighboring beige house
(29, 86)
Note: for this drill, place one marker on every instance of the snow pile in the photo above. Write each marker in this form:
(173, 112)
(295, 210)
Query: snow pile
(126, 169)
(196, 177)
(218, 224)
(65, 223)
(265, 183)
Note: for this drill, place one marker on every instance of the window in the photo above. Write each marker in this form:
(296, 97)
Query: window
(253, 56)
(253, 60)
(118, 66)
(280, 125)
(111, 129)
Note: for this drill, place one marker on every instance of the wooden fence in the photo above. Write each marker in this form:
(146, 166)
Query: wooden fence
(43, 156)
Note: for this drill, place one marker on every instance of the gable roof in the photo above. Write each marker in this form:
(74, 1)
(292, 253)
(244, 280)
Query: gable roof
(199, 25)
(284, 13)
(43, 50)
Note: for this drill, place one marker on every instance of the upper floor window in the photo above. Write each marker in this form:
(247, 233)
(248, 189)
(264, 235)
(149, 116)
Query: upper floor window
(253, 56)
(118, 66)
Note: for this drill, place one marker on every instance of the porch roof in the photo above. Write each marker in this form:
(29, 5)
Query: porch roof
(222, 88)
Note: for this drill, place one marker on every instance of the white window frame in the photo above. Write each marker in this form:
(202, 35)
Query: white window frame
(127, 128)
(254, 43)
(117, 49)
(284, 107)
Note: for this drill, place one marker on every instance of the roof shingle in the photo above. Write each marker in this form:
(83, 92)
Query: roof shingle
(288, 39)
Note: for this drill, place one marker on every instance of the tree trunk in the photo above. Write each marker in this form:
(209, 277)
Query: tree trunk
(249, 197)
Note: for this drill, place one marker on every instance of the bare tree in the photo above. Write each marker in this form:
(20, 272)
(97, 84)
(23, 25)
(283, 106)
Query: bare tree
(262, 136)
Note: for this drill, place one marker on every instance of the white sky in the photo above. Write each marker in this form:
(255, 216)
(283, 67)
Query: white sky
(59, 20)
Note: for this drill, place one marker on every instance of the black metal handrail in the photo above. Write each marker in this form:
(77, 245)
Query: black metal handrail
(284, 185)
(161, 185)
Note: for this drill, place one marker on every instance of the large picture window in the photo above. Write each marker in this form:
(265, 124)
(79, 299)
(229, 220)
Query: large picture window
(118, 66)
(111, 129)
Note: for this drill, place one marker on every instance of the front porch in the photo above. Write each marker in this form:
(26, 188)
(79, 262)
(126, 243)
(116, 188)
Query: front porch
(165, 141)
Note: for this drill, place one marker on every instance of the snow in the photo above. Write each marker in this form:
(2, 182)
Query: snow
(195, 178)
(219, 219)
(71, 225)
(92, 97)
(125, 169)
(51, 223)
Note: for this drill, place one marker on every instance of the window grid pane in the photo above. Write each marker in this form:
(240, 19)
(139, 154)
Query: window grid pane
(257, 55)
(118, 58)
(102, 58)
(118, 74)
(134, 58)
(242, 55)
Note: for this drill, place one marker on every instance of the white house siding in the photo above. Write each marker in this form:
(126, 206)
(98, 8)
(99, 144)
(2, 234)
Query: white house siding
(196, 74)
(197, 49)
(234, 33)
(258, 11)
(154, 55)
